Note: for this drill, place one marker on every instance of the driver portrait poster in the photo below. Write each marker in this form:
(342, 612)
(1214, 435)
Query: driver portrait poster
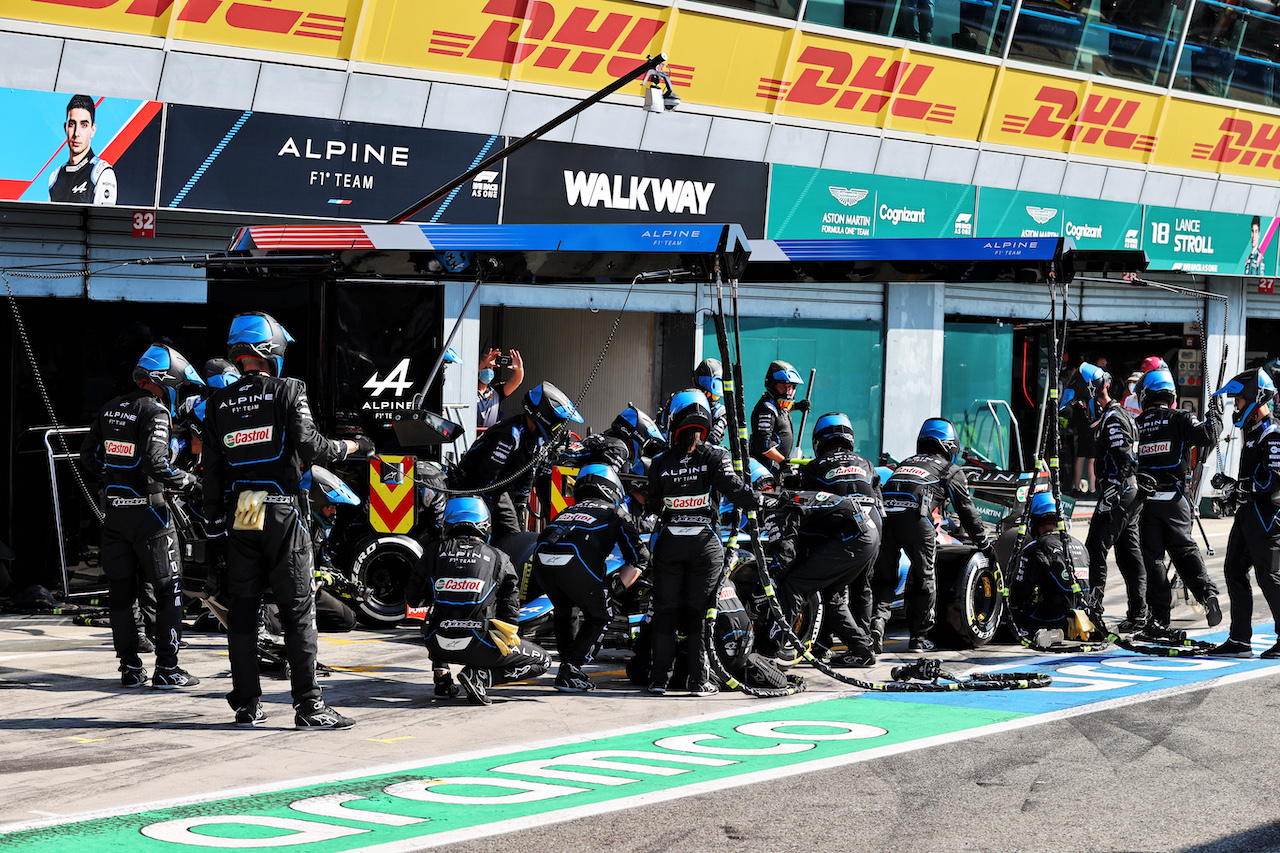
(79, 148)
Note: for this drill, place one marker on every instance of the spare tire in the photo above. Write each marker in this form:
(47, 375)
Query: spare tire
(383, 565)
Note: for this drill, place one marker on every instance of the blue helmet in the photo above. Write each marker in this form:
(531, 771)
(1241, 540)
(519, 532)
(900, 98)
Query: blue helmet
(1089, 384)
(938, 435)
(709, 376)
(549, 408)
(781, 371)
(326, 490)
(832, 428)
(688, 410)
(219, 373)
(258, 335)
(1254, 387)
(166, 367)
(598, 481)
(634, 426)
(451, 356)
(762, 478)
(466, 516)
(1043, 507)
(1157, 384)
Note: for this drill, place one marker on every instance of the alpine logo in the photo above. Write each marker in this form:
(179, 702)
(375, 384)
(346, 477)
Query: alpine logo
(459, 585)
(847, 197)
(1153, 448)
(634, 192)
(80, 188)
(255, 435)
(118, 448)
(397, 380)
(1041, 214)
(689, 502)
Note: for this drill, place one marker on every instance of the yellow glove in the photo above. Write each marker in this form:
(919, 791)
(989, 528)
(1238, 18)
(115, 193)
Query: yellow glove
(251, 511)
(504, 635)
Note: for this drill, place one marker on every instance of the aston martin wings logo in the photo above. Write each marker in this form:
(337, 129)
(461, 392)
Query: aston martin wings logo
(1042, 214)
(848, 197)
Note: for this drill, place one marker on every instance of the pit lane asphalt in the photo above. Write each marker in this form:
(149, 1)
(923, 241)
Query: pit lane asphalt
(1194, 770)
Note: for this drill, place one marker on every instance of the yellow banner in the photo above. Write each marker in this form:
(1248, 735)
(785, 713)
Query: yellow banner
(1220, 139)
(840, 80)
(1033, 110)
(314, 27)
(583, 45)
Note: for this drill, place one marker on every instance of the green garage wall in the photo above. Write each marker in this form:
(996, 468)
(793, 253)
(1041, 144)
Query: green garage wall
(977, 364)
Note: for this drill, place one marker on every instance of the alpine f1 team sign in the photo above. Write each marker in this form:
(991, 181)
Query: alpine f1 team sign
(560, 182)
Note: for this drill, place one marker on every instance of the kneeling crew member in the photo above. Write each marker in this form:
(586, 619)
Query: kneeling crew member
(569, 563)
(129, 446)
(921, 484)
(1043, 590)
(474, 598)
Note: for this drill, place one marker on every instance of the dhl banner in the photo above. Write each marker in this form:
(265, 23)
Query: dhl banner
(775, 68)
(391, 493)
(314, 27)
(1034, 110)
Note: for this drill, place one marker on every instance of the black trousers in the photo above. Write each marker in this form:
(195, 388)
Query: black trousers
(1166, 526)
(686, 571)
(569, 586)
(1115, 525)
(140, 543)
(278, 556)
(831, 569)
(1252, 545)
(910, 533)
(528, 660)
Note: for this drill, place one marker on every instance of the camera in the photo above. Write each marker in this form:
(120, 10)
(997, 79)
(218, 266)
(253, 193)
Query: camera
(504, 361)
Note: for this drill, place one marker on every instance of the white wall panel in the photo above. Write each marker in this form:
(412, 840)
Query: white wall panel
(470, 108)
(209, 81)
(736, 139)
(385, 100)
(293, 90)
(796, 146)
(30, 62)
(902, 158)
(527, 112)
(998, 169)
(610, 125)
(675, 132)
(1196, 193)
(94, 68)
(1042, 175)
(1085, 179)
(851, 152)
(1161, 189)
(1231, 197)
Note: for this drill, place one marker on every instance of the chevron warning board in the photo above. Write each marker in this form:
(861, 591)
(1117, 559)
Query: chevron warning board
(391, 493)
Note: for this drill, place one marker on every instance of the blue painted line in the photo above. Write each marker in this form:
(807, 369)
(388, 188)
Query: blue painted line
(208, 161)
(435, 217)
(1080, 680)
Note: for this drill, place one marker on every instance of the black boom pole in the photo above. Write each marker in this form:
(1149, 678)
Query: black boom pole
(502, 154)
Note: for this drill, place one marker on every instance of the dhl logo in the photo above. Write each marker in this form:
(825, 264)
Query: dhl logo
(1241, 142)
(1102, 120)
(830, 75)
(242, 16)
(524, 30)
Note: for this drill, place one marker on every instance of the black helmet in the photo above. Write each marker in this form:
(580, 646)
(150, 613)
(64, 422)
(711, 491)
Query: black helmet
(219, 373)
(1089, 383)
(832, 428)
(1254, 387)
(548, 407)
(466, 516)
(688, 410)
(939, 435)
(166, 367)
(326, 489)
(635, 427)
(258, 335)
(781, 371)
(709, 376)
(598, 481)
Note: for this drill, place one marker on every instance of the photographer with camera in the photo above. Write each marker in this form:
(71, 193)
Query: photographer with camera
(491, 392)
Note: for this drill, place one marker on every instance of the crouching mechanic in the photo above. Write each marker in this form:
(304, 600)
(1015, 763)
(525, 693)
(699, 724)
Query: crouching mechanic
(569, 563)
(1044, 595)
(473, 597)
(129, 446)
(260, 435)
(921, 484)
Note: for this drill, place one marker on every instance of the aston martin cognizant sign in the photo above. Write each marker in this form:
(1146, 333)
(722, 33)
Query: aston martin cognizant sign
(550, 182)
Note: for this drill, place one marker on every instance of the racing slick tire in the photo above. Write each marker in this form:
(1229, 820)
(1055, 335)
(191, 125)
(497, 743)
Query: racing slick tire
(970, 602)
(383, 565)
